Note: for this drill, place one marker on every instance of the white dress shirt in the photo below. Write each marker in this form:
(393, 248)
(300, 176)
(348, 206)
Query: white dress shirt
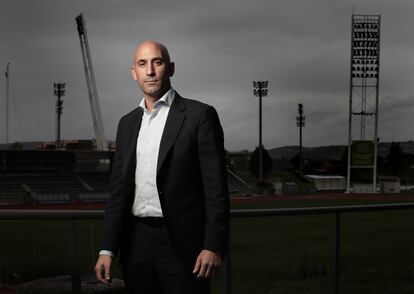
(147, 202)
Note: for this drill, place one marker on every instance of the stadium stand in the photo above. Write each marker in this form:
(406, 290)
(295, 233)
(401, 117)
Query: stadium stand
(48, 176)
(237, 186)
(94, 196)
(51, 197)
(95, 181)
(69, 176)
(46, 182)
(234, 190)
(11, 190)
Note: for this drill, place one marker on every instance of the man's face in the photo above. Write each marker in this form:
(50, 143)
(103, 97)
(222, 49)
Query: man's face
(152, 69)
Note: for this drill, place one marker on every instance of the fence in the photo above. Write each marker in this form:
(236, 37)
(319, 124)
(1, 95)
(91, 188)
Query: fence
(75, 215)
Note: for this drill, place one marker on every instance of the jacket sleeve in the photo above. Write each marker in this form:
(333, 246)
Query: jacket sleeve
(214, 177)
(112, 223)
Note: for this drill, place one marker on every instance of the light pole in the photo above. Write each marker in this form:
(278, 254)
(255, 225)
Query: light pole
(7, 74)
(364, 88)
(300, 123)
(59, 92)
(260, 90)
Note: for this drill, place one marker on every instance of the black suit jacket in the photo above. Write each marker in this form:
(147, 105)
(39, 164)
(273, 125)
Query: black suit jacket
(191, 181)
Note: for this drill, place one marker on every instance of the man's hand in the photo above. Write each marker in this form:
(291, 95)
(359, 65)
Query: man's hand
(207, 265)
(103, 269)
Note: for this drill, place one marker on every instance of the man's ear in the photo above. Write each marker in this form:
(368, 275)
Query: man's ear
(172, 69)
(134, 74)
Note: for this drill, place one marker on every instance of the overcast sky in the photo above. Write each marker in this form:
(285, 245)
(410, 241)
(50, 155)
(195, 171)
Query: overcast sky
(302, 47)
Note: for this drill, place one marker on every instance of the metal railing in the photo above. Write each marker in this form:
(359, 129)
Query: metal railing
(76, 215)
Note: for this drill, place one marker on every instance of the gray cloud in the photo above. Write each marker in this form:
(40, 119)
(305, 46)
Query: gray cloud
(220, 47)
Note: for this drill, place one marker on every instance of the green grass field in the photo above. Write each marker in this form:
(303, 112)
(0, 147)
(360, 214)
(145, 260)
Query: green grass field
(287, 254)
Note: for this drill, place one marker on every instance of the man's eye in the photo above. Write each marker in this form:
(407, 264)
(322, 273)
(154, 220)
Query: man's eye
(141, 64)
(159, 62)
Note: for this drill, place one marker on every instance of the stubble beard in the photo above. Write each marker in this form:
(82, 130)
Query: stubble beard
(155, 90)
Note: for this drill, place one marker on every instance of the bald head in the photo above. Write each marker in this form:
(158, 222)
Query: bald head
(152, 69)
(151, 45)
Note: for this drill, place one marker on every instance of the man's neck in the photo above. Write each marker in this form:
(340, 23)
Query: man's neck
(151, 100)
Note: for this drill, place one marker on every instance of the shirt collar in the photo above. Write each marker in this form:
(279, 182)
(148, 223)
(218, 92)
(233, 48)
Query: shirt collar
(166, 99)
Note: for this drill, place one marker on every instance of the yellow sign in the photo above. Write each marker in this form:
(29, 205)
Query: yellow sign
(362, 153)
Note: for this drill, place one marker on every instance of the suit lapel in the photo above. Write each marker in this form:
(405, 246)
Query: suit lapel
(172, 126)
(134, 127)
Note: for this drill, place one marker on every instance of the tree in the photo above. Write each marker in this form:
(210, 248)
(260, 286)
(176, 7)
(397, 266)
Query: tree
(254, 162)
(394, 158)
(16, 146)
(406, 170)
(343, 162)
(295, 161)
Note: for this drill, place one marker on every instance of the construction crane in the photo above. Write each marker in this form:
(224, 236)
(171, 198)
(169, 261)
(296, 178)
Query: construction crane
(101, 143)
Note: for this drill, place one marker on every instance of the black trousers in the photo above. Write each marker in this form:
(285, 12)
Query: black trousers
(150, 266)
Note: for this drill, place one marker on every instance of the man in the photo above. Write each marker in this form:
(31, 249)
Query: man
(168, 212)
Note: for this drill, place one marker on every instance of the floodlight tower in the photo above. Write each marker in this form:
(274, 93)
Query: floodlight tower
(90, 80)
(59, 92)
(300, 123)
(260, 90)
(7, 74)
(364, 86)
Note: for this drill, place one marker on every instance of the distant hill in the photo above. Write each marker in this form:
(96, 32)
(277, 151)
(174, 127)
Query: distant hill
(332, 152)
(322, 152)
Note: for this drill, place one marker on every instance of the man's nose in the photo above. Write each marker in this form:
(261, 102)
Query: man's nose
(150, 70)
